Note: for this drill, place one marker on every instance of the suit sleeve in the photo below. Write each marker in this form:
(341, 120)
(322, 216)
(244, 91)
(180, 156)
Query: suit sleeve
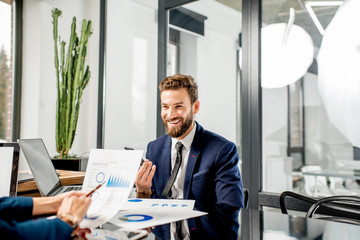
(148, 156)
(40, 229)
(16, 222)
(16, 208)
(229, 191)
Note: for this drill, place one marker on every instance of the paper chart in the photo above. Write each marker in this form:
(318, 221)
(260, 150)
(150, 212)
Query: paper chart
(118, 168)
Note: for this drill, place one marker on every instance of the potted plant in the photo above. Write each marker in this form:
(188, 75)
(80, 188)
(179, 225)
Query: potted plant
(72, 78)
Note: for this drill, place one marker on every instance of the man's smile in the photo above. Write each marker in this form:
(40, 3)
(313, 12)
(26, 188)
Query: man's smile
(174, 121)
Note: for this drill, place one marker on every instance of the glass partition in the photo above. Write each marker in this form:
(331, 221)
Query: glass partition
(130, 74)
(310, 97)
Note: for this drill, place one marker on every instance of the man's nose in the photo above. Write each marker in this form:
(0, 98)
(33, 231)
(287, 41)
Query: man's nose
(171, 112)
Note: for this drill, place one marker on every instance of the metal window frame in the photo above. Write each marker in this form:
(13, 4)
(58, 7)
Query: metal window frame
(251, 102)
(102, 81)
(17, 71)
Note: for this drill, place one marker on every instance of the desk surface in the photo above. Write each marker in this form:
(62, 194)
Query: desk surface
(282, 226)
(29, 188)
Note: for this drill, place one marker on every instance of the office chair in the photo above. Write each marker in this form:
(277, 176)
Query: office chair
(306, 201)
(348, 208)
(344, 209)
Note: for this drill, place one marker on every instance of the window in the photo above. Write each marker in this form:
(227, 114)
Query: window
(310, 97)
(5, 70)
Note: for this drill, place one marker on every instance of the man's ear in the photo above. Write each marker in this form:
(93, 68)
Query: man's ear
(196, 106)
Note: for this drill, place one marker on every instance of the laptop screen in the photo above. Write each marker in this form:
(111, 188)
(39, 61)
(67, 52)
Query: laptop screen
(10, 162)
(40, 164)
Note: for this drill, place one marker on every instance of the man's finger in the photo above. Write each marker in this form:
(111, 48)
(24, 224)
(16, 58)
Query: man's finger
(143, 167)
(147, 171)
(142, 171)
(151, 174)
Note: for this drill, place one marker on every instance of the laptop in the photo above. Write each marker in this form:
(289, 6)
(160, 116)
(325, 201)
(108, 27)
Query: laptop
(9, 152)
(45, 175)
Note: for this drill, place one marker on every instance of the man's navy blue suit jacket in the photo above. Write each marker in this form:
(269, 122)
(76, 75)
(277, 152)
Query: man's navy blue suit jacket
(16, 222)
(212, 179)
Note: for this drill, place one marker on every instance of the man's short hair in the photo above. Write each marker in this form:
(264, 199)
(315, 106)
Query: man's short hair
(178, 81)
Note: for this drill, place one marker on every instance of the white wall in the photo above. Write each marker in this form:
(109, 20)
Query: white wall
(39, 81)
(131, 73)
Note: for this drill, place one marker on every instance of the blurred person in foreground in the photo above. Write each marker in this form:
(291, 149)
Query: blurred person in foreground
(18, 216)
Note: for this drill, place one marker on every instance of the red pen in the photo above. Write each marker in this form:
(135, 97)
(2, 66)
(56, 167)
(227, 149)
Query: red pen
(92, 191)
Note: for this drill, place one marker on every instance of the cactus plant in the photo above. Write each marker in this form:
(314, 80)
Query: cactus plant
(72, 78)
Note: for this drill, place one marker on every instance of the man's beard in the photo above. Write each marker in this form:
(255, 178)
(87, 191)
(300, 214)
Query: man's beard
(179, 131)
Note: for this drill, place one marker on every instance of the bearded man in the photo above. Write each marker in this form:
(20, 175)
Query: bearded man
(190, 162)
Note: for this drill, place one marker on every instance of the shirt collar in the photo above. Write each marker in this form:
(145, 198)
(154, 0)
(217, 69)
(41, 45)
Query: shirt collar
(187, 141)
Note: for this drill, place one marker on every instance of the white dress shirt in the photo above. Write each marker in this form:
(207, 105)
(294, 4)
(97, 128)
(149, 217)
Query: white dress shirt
(177, 189)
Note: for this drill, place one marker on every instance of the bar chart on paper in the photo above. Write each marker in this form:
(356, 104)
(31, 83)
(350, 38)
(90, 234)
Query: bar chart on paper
(118, 181)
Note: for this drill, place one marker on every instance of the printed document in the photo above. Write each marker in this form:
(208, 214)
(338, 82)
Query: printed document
(117, 169)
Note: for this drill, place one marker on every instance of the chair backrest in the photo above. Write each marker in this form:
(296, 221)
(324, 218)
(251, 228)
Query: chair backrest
(347, 207)
(9, 157)
(246, 197)
(336, 208)
(306, 201)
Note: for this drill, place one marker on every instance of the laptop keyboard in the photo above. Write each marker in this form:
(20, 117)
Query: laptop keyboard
(68, 189)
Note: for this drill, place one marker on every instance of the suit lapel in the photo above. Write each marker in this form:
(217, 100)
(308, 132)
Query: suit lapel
(193, 156)
(166, 162)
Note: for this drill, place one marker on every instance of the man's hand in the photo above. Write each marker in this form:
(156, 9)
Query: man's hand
(144, 178)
